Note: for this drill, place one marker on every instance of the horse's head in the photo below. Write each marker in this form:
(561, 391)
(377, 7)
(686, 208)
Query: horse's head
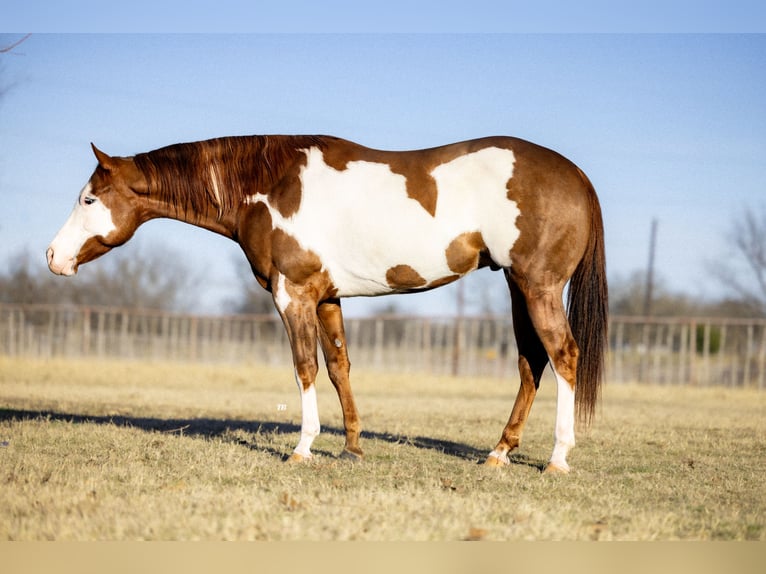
(106, 215)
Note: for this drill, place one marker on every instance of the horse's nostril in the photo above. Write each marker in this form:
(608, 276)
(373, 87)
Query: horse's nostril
(49, 255)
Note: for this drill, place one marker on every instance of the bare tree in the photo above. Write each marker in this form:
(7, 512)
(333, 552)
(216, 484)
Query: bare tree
(134, 277)
(13, 45)
(252, 299)
(744, 273)
(140, 277)
(6, 49)
(23, 282)
(627, 296)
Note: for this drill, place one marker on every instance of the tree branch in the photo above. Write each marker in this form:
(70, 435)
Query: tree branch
(15, 45)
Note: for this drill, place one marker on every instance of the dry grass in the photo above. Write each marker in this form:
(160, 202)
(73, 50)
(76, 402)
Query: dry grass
(130, 451)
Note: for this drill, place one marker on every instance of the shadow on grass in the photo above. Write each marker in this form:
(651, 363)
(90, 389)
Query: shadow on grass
(220, 428)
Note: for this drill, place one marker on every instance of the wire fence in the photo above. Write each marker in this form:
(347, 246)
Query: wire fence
(671, 351)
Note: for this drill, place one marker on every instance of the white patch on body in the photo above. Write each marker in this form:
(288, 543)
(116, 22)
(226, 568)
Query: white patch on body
(473, 196)
(216, 192)
(84, 222)
(565, 421)
(360, 221)
(281, 296)
(309, 419)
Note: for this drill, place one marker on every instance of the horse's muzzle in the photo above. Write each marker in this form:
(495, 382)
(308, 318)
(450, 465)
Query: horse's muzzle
(67, 268)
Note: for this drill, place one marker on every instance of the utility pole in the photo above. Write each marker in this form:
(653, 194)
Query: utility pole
(649, 292)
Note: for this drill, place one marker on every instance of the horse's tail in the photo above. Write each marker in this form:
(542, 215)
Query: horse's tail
(587, 308)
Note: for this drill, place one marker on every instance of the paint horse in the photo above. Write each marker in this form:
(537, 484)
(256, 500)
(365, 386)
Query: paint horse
(320, 218)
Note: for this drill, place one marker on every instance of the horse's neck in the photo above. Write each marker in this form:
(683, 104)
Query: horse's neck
(210, 217)
(206, 188)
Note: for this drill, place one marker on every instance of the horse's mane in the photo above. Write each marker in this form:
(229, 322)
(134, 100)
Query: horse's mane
(220, 172)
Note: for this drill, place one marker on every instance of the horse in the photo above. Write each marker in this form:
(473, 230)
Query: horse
(321, 218)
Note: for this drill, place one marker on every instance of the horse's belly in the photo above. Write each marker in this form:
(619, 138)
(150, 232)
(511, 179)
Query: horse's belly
(388, 266)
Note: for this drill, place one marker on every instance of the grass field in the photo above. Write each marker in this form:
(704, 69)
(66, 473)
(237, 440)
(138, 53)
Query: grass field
(133, 451)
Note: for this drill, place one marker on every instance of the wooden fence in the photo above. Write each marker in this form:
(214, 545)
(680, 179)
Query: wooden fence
(730, 352)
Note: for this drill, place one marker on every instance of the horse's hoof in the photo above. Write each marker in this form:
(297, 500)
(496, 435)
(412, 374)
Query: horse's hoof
(351, 455)
(493, 460)
(555, 469)
(296, 458)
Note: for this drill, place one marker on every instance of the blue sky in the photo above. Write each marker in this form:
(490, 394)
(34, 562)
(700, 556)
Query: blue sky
(668, 126)
(498, 16)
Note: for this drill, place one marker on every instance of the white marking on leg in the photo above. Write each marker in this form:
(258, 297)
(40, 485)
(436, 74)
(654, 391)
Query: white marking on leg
(89, 218)
(565, 420)
(309, 419)
(361, 222)
(281, 296)
(501, 456)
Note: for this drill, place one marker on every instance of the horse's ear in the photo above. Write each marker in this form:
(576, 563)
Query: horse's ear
(104, 160)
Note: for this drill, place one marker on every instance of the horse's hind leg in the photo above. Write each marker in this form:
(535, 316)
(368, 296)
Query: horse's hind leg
(332, 337)
(546, 310)
(532, 361)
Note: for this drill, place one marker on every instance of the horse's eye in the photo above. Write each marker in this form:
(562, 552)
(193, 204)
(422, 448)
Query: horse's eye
(89, 200)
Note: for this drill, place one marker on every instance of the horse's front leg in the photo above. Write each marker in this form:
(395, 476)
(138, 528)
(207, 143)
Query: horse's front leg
(298, 313)
(332, 337)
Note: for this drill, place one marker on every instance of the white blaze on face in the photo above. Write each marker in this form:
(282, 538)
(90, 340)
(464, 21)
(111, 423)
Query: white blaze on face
(89, 218)
(361, 222)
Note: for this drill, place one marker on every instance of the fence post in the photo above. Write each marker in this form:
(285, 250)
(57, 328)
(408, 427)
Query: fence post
(693, 353)
(193, 338)
(85, 331)
(655, 371)
(426, 348)
(721, 353)
(684, 342)
(100, 333)
(379, 342)
(706, 354)
(643, 353)
(457, 345)
(124, 330)
(748, 350)
(11, 333)
(762, 358)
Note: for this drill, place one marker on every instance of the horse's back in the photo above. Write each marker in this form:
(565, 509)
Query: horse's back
(386, 221)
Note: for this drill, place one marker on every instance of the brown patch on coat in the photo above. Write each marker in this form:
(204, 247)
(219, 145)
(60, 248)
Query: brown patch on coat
(443, 281)
(546, 244)
(254, 234)
(464, 251)
(404, 276)
(414, 166)
(286, 195)
(421, 186)
(292, 260)
(417, 167)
